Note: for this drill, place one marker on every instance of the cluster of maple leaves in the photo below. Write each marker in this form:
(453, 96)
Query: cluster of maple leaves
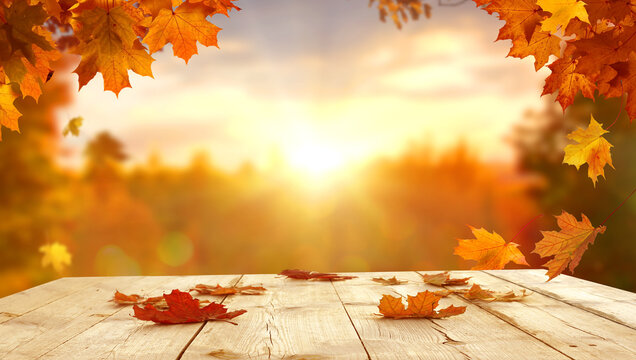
(594, 44)
(111, 37)
(180, 307)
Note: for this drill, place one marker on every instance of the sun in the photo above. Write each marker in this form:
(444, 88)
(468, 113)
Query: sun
(314, 158)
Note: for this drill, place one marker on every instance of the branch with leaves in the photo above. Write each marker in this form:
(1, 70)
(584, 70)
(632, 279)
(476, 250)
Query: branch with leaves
(111, 37)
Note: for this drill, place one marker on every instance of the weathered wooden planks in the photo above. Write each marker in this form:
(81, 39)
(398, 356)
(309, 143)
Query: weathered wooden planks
(122, 336)
(608, 302)
(568, 318)
(572, 331)
(475, 335)
(294, 319)
(31, 299)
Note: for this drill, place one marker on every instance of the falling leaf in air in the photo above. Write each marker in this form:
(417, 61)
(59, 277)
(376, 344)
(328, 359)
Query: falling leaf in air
(56, 255)
(592, 148)
(182, 308)
(490, 250)
(478, 293)
(562, 12)
(443, 279)
(568, 245)
(313, 275)
(389, 281)
(73, 126)
(232, 290)
(423, 305)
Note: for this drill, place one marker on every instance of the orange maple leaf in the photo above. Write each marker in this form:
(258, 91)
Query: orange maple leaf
(568, 245)
(389, 281)
(181, 27)
(423, 305)
(182, 308)
(490, 250)
(443, 279)
(592, 148)
(521, 16)
(232, 290)
(568, 82)
(476, 292)
(109, 44)
(541, 46)
(313, 275)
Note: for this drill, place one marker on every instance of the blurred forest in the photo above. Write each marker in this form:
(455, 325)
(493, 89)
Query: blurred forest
(402, 213)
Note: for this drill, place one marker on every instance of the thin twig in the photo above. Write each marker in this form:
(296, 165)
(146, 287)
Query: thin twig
(619, 206)
(526, 225)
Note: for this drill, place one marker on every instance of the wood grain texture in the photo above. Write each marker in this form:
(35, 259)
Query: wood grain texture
(28, 300)
(122, 336)
(295, 319)
(568, 318)
(474, 335)
(573, 331)
(605, 301)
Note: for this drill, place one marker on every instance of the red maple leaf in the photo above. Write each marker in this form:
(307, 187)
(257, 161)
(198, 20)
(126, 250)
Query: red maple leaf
(182, 308)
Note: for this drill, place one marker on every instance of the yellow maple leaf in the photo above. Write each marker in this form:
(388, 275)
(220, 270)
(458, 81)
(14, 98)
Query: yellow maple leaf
(490, 250)
(568, 245)
(182, 27)
(562, 12)
(592, 148)
(8, 113)
(56, 255)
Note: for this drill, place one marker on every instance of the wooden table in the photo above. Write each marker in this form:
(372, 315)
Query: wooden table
(567, 318)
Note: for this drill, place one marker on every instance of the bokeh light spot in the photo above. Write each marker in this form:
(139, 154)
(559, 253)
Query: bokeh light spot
(175, 249)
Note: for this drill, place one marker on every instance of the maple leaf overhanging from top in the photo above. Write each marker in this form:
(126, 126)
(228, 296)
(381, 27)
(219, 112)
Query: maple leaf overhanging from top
(567, 245)
(490, 250)
(562, 12)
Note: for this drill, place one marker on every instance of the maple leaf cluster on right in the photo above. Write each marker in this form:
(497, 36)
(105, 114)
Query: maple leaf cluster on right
(594, 44)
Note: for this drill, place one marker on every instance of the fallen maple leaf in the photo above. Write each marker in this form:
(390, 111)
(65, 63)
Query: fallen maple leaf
(182, 308)
(56, 255)
(562, 12)
(490, 250)
(443, 279)
(592, 148)
(568, 245)
(220, 290)
(312, 275)
(420, 306)
(389, 281)
(158, 302)
(479, 293)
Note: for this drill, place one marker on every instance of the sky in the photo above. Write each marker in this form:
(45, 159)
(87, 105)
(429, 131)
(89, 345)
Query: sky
(319, 82)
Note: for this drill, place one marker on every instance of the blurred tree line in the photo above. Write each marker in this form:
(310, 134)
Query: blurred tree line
(402, 213)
